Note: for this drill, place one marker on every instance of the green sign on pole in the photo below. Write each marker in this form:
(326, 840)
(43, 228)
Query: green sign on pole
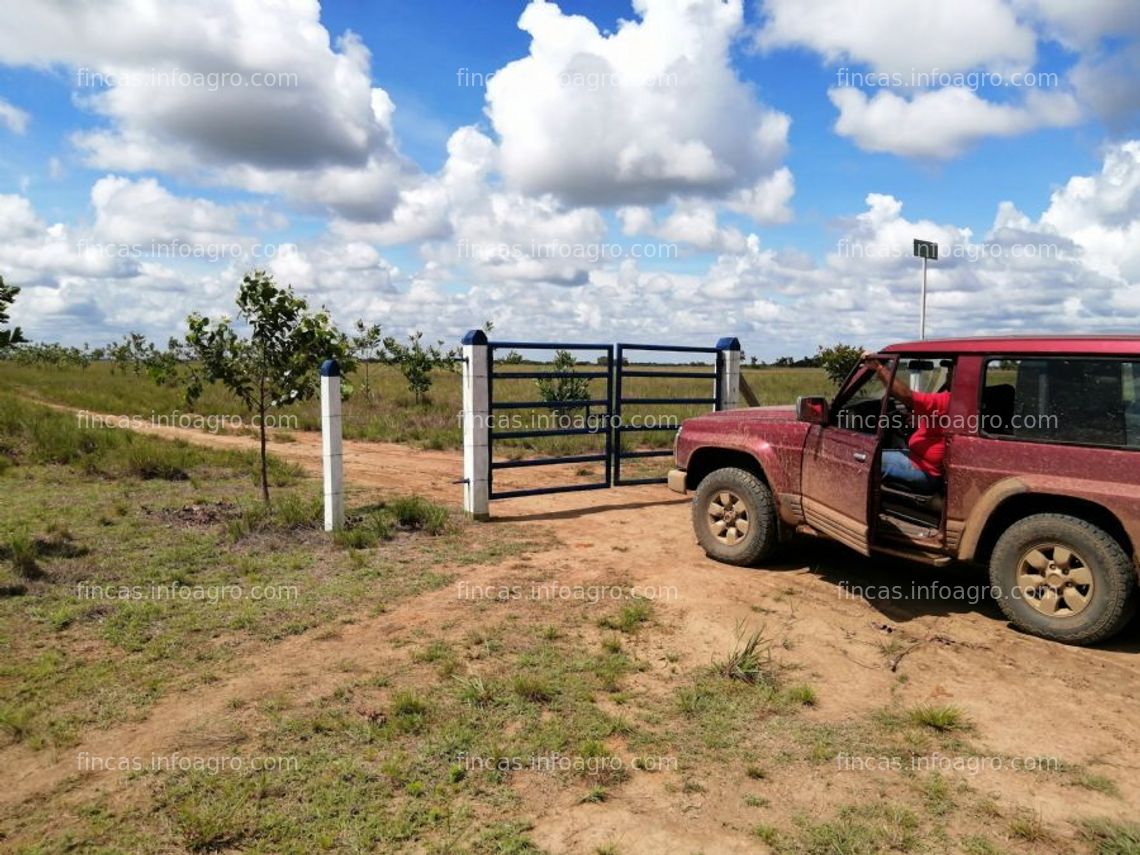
(926, 249)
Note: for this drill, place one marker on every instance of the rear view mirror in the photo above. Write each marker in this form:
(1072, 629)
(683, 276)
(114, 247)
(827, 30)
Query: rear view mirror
(811, 409)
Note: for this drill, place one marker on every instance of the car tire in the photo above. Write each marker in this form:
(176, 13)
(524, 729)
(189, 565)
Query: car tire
(1062, 578)
(734, 516)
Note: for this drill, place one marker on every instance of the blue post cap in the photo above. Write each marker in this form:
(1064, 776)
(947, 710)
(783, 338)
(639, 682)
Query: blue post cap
(474, 337)
(728, 343)
(330, 368)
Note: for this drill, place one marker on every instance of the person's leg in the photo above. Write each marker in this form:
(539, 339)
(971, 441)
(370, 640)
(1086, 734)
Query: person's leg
(898, 466)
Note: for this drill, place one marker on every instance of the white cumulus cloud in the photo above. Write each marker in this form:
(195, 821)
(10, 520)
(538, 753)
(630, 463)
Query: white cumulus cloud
(942, 123)
(653, 110)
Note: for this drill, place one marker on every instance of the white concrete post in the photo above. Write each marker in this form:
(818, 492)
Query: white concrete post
(332, 452)
(476, 425)
(728, 353)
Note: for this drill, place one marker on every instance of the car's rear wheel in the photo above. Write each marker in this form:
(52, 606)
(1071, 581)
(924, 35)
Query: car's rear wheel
(1063, 578)
(734, 516)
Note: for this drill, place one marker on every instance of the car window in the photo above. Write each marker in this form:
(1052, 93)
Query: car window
(1066, 400)
(925, 374)
(859, 407)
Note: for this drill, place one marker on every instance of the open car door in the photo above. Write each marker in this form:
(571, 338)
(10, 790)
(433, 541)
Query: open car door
(841, 459)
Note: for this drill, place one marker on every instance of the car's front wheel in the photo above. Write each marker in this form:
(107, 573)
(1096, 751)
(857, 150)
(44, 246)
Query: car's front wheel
(734, 516)
(1063, 578)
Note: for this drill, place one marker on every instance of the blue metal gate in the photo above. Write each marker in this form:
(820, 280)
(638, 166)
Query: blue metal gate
(715, 373)
(606, 402)
(611, 427)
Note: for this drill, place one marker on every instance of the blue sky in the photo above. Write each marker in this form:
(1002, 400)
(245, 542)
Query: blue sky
(388, 183)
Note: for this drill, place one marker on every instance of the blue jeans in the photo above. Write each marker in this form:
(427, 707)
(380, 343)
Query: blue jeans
(898, 466)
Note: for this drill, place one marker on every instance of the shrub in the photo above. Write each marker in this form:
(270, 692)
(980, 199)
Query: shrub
(414, 512)
(366, 532)
(940, 718)
(838, 360)
(21, 550)
(294, 511)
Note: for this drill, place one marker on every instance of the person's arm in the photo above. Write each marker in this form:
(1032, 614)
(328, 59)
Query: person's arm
(898, 388)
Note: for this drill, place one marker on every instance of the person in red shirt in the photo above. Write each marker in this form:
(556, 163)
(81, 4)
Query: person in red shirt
(921, 465)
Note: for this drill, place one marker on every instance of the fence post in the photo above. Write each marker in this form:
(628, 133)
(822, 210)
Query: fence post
(728, 387)
(476, 424)
(332, 453)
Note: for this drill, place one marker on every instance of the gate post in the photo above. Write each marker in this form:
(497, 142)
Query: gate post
(332, 453)
(728, 369)
(476, 424)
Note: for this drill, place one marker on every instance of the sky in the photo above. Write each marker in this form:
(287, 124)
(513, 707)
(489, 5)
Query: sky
(668, 171)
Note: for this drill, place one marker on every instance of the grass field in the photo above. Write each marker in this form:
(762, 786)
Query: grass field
(93, 518)
(423, 735)
(389, 412)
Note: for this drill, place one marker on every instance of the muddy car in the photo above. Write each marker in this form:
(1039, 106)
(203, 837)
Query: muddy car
(1037, 474)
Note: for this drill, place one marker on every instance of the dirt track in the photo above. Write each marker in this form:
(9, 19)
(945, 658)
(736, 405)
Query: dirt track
(1026, 697)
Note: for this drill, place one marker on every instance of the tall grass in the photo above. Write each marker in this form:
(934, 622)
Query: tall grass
(389, 412)
(33, 433)
(22, 552)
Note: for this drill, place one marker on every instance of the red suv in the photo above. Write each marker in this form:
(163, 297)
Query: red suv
(1040, 477)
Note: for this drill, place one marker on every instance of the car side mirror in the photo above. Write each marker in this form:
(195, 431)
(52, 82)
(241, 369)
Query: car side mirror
(812, 409)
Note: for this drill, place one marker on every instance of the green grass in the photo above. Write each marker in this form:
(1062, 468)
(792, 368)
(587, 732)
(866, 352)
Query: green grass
(630, 618)
(413, 769)
(92, 555)
(1030, 827)
(389, 413)
(1111, 837)
(749, 661)
(22, 552)
(414, 754)
(941, 718)
(416, 513)
(382, 522)
(857, 830)
(1097, 783)
(976, 844)
(803, 695)
(30, 433)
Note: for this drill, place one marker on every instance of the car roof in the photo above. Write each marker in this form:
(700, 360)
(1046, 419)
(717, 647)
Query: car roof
(1071, 344)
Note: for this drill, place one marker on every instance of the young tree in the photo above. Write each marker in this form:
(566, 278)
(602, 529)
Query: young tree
(134, 353)
(838, 360)
(8, 337)
(367, 346)
(276, 364)
(560, 389)
(417, 362)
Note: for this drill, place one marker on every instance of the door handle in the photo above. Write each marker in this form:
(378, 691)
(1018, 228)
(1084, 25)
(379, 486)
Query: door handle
(860, 457)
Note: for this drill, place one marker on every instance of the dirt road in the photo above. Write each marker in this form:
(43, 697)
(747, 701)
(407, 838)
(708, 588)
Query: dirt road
(1025, 697)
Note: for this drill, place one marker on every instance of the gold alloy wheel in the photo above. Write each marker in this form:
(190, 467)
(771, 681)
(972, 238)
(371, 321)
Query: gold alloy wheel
(728, 517)
(1055, 580)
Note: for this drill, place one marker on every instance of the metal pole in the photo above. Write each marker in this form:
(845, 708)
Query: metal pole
(922, 309)
(727, 392)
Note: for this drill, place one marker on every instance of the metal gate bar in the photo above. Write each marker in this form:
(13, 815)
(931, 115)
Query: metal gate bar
(605, 457)
(619, 454)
